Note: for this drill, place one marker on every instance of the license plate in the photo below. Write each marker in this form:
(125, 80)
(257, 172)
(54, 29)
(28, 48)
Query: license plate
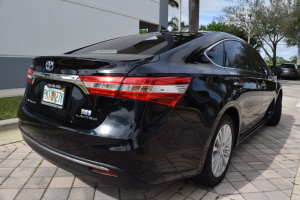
(53, 95)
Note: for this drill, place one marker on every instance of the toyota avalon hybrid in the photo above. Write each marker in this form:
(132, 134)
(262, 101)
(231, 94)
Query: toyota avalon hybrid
(143, 110)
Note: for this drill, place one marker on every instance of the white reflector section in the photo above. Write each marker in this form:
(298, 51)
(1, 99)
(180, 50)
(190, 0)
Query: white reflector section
(107, 86)
(155, 88)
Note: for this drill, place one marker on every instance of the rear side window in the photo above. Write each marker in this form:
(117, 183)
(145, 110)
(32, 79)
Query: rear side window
(236, 56)
(258, 64)
(216, 54)
(291, 66)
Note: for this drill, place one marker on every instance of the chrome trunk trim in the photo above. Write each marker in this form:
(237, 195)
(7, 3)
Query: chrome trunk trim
(60, 77)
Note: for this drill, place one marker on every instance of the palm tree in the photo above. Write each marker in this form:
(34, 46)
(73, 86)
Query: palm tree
(194, 15)
(177, 4)
(173, 3)
(173, 23)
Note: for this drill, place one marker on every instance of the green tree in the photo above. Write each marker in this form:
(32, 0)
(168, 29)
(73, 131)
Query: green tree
(291, 28)
(263, 18)
(142, 31)
(231, 29)
(214, 26)
(173, 23)
(293, 59)
(173, 3)
(280, 60)
(268, 61)
(194, 6)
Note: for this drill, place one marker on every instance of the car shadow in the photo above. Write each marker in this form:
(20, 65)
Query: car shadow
(264, 162)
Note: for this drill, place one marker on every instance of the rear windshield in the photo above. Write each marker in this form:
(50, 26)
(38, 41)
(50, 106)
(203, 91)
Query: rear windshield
(143, 44)
(287, 66)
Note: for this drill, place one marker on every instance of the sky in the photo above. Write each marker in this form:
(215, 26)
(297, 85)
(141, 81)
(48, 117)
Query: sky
(210, 9)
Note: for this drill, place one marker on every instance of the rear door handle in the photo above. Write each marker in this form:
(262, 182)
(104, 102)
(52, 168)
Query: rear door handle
(237, 83)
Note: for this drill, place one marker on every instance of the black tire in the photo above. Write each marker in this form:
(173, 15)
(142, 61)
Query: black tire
(207, 177)
(275, 119)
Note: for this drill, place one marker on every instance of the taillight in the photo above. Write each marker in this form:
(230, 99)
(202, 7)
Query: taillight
(161, 90)
(102, 85)
(294, 69)
(29, 75)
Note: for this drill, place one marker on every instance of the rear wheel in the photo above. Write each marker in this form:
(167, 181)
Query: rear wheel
(219, 154)
(274, 120)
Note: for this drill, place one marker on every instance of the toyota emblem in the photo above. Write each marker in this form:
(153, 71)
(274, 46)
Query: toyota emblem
(49, 65)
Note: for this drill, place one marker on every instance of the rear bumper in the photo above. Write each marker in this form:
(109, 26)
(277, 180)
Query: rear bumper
(82, 167)
(155, 151)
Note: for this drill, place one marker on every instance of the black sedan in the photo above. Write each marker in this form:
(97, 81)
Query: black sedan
(290, 70)
(143, 110)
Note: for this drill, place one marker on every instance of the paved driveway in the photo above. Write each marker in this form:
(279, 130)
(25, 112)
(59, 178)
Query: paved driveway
(264, 166)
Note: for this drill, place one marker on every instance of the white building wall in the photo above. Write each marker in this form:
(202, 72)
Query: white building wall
(46, 27)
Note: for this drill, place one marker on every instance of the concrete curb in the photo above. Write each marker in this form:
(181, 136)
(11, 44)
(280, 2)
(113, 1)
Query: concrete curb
(8, 121)
(290, 101)
(12, 92)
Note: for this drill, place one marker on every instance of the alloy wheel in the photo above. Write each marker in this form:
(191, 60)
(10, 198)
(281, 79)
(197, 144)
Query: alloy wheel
(221, 150)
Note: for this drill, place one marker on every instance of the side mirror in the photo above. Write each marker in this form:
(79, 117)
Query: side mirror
(277, 70)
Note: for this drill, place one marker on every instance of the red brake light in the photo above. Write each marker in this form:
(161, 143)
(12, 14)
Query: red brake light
(161, 90)
(29, 75)
(102, 85)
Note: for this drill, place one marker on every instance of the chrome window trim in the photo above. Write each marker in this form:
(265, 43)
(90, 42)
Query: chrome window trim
(67, 157)
(212, 46)
(215, 44)
(60, 77)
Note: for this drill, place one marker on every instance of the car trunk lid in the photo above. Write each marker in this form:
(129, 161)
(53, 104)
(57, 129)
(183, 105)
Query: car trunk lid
(58, 94)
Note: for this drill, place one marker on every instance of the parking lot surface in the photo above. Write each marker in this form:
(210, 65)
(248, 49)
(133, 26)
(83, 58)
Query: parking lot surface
(264, 166)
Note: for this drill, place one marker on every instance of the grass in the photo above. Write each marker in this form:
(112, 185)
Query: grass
(9, 107)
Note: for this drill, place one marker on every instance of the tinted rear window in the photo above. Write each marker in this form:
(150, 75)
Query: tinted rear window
(236, 56)
(216, 54)
(287, 66)
(258, 63)
(143, 44)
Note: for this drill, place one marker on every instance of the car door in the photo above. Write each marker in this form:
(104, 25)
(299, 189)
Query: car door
(267, 84)
(249, 93)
